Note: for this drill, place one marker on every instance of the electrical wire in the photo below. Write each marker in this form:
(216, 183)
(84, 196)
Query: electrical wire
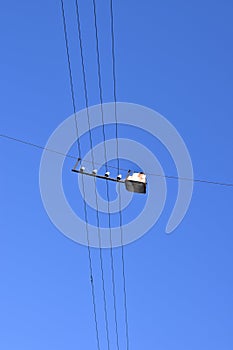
(93, 165)
(107, 184)
(84, 201)
(118, 165)
(205, 181)
(70, 74)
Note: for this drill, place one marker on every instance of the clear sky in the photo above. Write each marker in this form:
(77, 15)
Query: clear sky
(172, 56)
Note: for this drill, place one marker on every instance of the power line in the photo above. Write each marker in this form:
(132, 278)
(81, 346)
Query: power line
(34, 145)
(205, 181)
(91, 273)
(93, 165)
(118, 165)
(70, 74)
(84, 201)
(107, 184)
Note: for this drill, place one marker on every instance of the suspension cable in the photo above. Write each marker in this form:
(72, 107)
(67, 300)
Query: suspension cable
(107, 184)
(93, 165)
(84, 201)
(205, 181)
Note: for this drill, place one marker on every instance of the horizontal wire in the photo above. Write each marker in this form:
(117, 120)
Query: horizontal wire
(228, 184)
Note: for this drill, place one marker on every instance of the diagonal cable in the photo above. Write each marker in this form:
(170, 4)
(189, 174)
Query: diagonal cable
(205, 181)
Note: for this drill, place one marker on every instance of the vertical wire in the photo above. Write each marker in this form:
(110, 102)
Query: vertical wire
(118, 165)
(79, 151)
(70, 75)
(93, 164)
(107, 184)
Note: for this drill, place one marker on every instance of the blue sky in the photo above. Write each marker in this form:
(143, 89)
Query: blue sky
(171, 56)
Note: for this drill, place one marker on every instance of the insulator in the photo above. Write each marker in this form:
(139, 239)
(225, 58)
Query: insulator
(119, 177)
(94, 171)
(107, 174)
(82, 169)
